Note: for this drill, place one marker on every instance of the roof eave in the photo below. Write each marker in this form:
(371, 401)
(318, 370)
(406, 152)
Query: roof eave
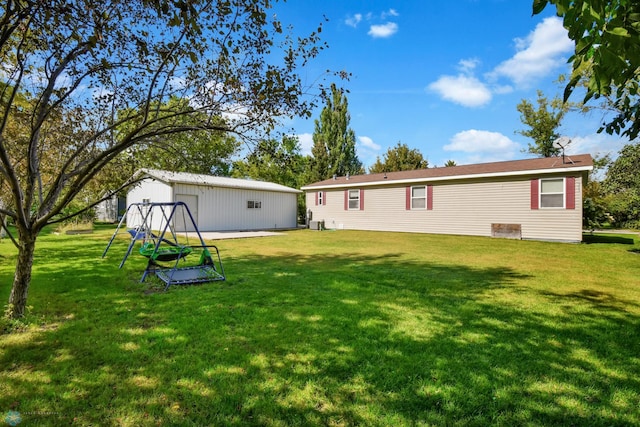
(147, 173)
(451, 177)
(171, 181)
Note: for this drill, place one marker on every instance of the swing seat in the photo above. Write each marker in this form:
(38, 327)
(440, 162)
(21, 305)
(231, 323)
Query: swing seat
(137, 234)
(208, 269)
(189, 275)
(169, 253)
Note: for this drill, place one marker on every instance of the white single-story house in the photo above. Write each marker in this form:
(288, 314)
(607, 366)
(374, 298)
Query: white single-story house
(537, 199)
(218, 203)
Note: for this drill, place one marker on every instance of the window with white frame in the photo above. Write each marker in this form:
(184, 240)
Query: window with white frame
(419, 197)
(320, 198)
(254, 204)
(354, 199)
(552, 193)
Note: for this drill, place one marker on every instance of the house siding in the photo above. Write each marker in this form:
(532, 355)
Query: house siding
(225, 209)
(465, 207)
(107, 210)
(148, 189)
(219, 208)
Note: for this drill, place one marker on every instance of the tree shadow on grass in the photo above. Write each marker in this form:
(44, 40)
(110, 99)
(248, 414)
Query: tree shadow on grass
(599, 299)
(343, 339)
(607, 239)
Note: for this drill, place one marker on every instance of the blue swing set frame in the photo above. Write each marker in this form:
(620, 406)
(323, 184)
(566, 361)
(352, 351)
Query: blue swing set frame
(166, 257)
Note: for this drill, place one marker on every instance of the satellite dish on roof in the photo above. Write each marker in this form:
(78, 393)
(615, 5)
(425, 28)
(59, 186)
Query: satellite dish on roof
(561, 142)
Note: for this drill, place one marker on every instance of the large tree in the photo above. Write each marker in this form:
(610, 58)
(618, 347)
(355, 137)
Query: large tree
(202, 152)
(274, 160)
(96, 77)
(334, 142)
(595, 197)
(543, 124)
(279, 161)
(607, 53)
(197, 151)
(399, 158)
(622, 184)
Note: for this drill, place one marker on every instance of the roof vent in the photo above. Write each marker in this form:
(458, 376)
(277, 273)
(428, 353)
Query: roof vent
(385, 175)
(334, 176)
(347, 176)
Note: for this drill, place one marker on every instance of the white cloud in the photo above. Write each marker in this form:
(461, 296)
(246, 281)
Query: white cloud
(368, 143)
(376, 29)
(367, 150)
(306, 143)
(462, 89)
(364, 145)
(502, 89)
(353, 20)
(595, 144)
(467, 66)
(538, 54)
(390, 12)
(482, 141)
(384, 30)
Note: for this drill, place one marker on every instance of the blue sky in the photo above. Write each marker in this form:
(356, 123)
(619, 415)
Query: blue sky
(442, 76)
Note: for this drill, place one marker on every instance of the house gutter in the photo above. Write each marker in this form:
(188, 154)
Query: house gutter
(173, 181)
(450, 178)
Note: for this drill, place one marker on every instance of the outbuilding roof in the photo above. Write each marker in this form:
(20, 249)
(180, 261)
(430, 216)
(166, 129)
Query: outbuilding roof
(545, 165)
(214, 181)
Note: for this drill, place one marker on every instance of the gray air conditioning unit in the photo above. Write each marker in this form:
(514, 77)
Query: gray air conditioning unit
(316, 225)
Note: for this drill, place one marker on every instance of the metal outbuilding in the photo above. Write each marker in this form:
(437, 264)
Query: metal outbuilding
(219, 203)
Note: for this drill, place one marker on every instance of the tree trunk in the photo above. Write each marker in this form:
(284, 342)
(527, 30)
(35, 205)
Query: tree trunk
(22, 276)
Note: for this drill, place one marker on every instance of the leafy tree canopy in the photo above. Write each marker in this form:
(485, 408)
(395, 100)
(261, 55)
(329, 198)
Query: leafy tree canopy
(543, 124)
(399, 158)
(278, 161)
(273, 160)
(624, 173)
(196, 151)
(85, 81)
(607, 52)
(622, 185)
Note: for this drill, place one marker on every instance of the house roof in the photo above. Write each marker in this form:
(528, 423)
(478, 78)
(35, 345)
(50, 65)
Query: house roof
(545, 165)
(214, 181)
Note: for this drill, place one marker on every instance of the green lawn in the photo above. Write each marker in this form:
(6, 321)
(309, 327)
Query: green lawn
(331, 328)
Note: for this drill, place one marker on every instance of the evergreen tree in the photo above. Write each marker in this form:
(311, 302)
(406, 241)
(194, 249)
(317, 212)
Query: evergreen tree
(334, 142)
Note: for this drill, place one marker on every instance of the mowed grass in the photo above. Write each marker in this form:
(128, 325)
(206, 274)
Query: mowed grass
(331, 328)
